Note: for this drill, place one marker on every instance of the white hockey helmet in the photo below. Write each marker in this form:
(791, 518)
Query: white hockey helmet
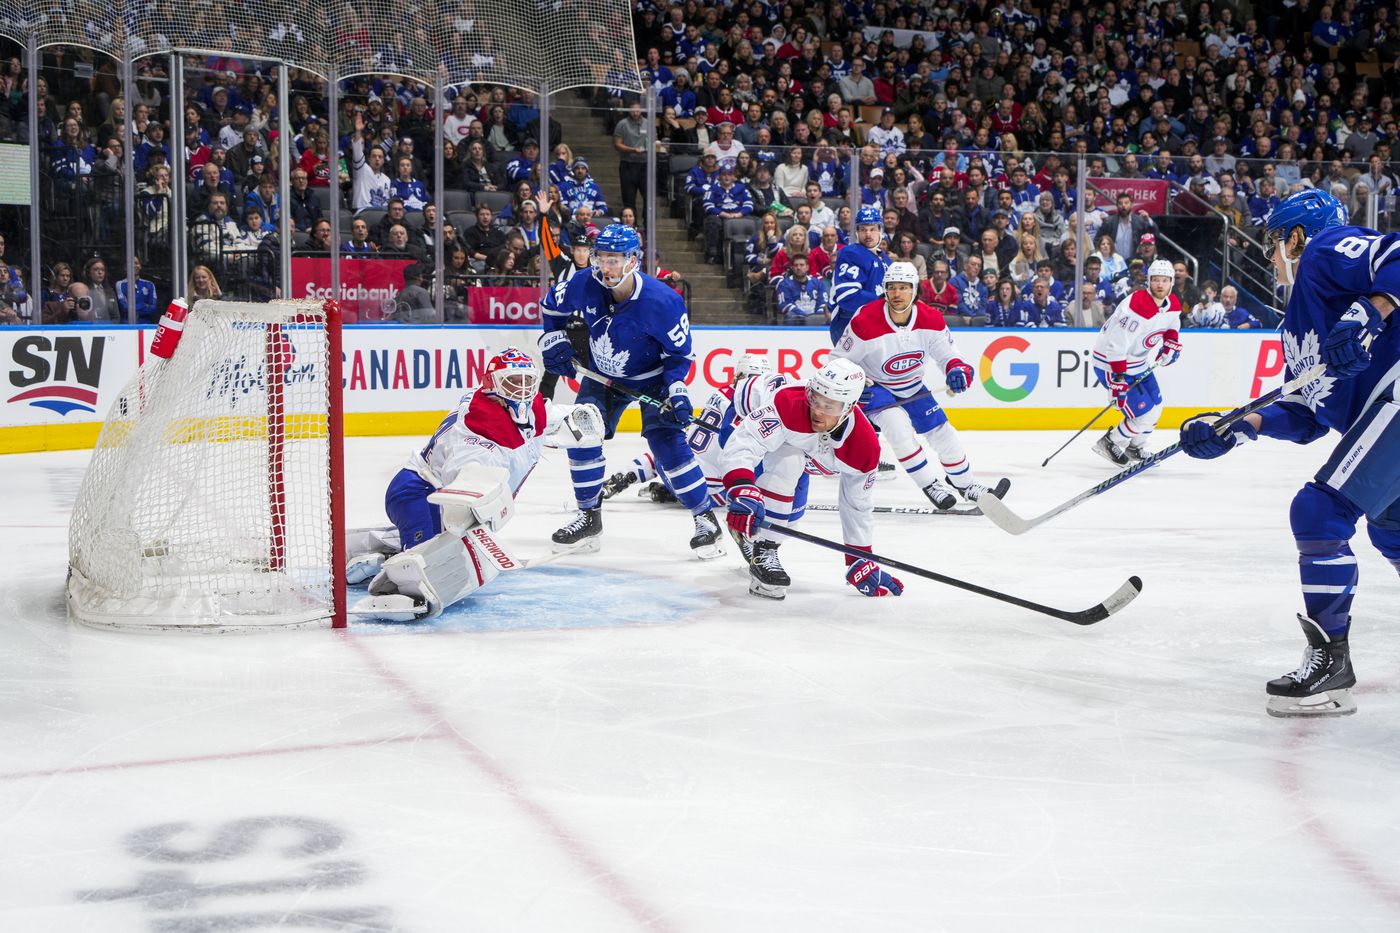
(901, 272)
(1161, 267)
(752, 364)
(839, 381)
(512, 377)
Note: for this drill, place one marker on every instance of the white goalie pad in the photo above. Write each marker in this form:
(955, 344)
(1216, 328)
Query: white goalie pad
(436, 573)
(477, 495)
(366, 550)
(581, 427)
(393, 607)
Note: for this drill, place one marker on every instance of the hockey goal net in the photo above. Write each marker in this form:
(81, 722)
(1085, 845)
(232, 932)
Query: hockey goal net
(213, 499)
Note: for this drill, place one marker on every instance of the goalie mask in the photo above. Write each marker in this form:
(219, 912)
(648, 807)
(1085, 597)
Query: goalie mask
(513, 378)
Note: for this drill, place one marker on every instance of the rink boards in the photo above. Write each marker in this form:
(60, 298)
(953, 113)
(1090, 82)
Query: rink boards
(399, 380)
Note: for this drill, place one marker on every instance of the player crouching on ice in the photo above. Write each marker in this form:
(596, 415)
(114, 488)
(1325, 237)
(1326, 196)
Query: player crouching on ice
(891, 338)
(1142, 333)
(639, 337)
(1346, 284)
(815, 426)
(457, 490)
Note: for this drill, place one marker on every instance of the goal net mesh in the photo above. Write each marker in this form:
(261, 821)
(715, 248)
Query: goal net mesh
(207, 501)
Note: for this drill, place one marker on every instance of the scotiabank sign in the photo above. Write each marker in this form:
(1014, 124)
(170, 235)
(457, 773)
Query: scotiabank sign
(368, 287)
(1148, 194)
(503, 305)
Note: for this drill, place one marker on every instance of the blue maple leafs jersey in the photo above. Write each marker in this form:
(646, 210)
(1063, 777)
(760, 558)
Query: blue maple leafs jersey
(1339, 265)
(636, 341)
(859, 279)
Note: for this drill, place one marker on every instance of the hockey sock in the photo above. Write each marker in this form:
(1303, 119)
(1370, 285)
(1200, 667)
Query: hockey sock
(917, 464)
(1329, 577)
(586, 468)
(645, 468)
(953, 457)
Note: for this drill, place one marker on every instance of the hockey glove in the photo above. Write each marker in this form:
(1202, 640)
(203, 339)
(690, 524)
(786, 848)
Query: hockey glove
(678, 409)
(745, 509)
(1344, 351)
(1200, 440)
(1118, 385)
(958, 375)
(558, 353)
(866, 576)
(1171, 348)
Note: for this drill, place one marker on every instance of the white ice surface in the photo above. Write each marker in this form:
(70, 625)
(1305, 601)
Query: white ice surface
(628, 741)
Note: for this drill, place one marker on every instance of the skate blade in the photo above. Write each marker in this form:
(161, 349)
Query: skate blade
(709, 551)
(766, 590)
(1109, 457)
(587, 546)
(1330, 703)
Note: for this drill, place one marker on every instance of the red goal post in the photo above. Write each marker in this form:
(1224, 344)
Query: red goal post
(214, 500)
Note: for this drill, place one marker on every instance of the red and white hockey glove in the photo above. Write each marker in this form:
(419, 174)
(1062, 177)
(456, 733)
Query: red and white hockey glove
(958, 375)
(1118, 385)
(866, 576)
(746, 510)
(1171, 348)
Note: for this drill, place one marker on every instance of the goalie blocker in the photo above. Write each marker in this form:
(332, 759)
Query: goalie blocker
(458, 490)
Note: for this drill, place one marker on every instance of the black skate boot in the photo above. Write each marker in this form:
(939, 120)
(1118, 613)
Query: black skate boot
(617, 482)
(1108, 448)
(1321, 686)
(767, 578)
(582, 535)
(886, 470)
(974, 491)
(1136, 452)
(660, 493)
(941, 496)
(708, 542)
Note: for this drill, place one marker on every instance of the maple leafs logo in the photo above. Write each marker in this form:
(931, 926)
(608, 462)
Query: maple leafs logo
(1303, 356)
(610, 362)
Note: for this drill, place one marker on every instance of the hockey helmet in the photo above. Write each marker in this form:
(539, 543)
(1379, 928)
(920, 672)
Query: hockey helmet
(836, 387)
(901, 272)
(1161, 267)
(869, 216)
(512, 377)
(617, 238)
(752, 364)
(1311, 209)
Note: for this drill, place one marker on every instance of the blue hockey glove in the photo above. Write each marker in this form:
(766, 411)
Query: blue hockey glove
(866, 576)
(1343, 350)
(745, 509)
(678, 410)
(1171, 348)
(1199, 440)
(558, 353)
(958, 375)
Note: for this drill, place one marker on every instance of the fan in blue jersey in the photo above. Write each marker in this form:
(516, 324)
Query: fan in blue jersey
(859, 277)
(638, 336)
(1346, 283)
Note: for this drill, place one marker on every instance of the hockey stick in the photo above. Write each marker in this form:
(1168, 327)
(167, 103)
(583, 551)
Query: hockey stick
(1111, 403)
(899, 510)
(1009, 521)
(898, 403)
(640, 396)
(1120, 597)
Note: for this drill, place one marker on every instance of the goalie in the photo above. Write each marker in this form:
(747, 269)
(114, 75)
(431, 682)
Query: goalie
(457, 491)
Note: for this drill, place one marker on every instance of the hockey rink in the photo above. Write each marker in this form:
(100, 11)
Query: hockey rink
(628, 741)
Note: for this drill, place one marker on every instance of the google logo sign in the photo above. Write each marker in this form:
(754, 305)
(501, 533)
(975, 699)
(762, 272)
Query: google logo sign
(1024, 374)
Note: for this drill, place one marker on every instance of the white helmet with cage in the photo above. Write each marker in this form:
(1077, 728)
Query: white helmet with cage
(512, 377)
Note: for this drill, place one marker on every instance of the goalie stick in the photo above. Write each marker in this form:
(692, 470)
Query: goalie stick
(1116, 601)
(1009, 521)
(640, 396)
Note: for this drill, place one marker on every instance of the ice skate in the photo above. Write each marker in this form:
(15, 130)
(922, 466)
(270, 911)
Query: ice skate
(744, 544)
(1107, 448)
(658, 492)
(767, 578)
(582, 535)
(974, 491)
(1321, 686)
(941, 496)
(885, 471)
(708, 542)
(1136, 452)
(617, 482)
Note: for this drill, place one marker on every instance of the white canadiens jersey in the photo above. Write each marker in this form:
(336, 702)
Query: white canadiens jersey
(894, 355)
(1132, 337)
(724, 410)
(851, 453)
(481, 431)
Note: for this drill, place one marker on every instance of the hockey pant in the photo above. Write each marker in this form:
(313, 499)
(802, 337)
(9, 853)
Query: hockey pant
(674, 460)
(782, 478)
(1362, 477)
(902, 426)
(1141, 411)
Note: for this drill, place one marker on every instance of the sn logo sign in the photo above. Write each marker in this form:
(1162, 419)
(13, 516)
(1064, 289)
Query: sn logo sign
(44, 369)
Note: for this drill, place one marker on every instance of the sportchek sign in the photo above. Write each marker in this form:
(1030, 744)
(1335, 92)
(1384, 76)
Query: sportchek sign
(399, 380)
(1148, 194)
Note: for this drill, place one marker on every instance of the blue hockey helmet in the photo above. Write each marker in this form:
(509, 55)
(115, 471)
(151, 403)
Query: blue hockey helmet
(617, 238)
(1311, 209)
(870, 216)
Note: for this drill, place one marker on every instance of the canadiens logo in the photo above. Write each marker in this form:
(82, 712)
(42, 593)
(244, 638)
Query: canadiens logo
(45, 371)
(902, 363)
(816, 469)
